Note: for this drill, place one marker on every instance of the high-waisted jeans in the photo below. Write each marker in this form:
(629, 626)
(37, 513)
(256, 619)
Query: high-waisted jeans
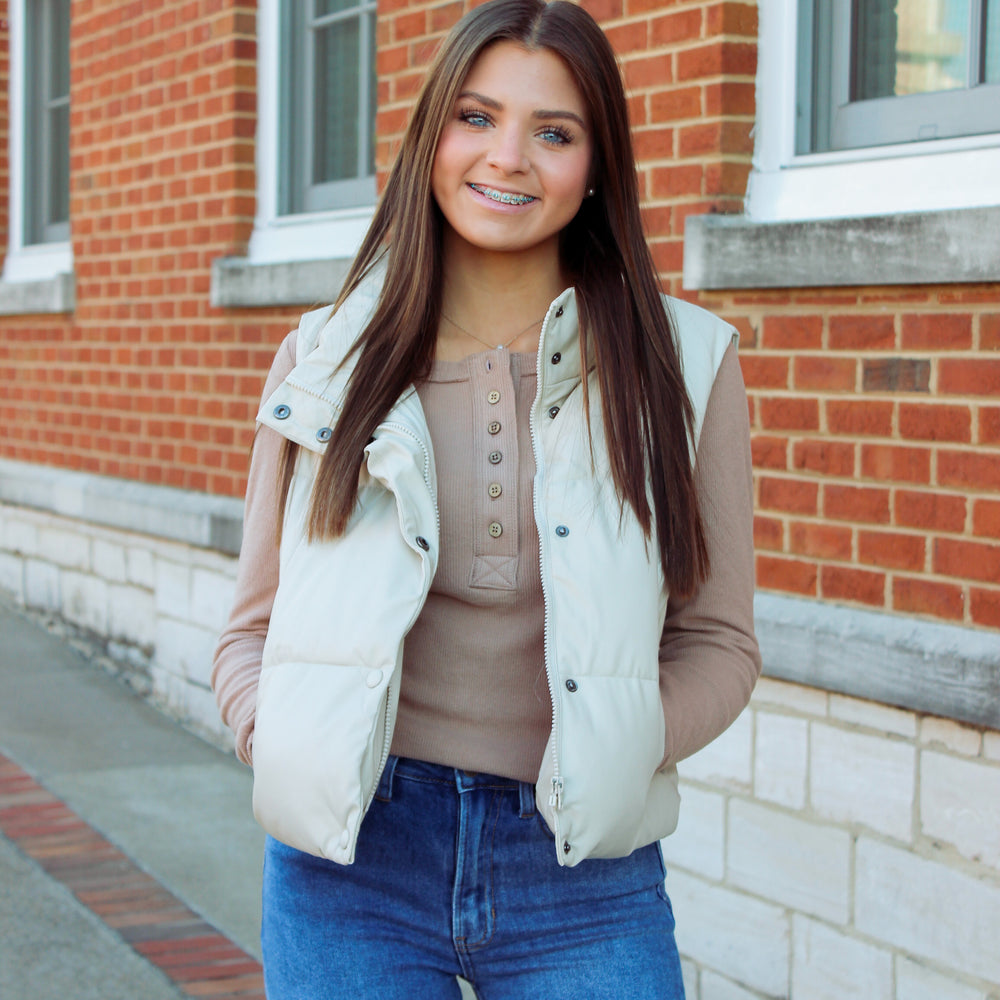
(456, 875)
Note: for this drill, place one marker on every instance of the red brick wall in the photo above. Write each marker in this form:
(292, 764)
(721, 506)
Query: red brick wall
(874, 411)
(146, 380)
(876, 429)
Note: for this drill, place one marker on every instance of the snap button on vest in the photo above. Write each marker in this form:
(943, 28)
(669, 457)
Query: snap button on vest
(423, 543)
(556, 358)
(562, 531)
(553, 410)
(282, 412)
(566, 847)
(324, 434)
(559, 312)
(571, 685)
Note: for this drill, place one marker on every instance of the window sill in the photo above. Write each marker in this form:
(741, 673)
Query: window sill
(955, 246)
(239, 282)
(45, 295)
(924, 666)
(198, 519)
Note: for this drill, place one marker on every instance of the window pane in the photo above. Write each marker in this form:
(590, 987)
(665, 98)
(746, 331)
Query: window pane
(58, 179)
(335, 122)
(59, 59)
(324, 7)
(910, 47)
(991, 34)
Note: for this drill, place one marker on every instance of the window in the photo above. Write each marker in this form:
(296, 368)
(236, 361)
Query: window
(315, 146)
(38, 264)
(46, 131)
(851, 119)
(327, 105)
(876, 72)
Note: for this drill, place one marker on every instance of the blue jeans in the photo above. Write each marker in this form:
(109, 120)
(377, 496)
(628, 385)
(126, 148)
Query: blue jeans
(456, 875)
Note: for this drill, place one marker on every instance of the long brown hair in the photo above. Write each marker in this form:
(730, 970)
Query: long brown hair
(647, 415)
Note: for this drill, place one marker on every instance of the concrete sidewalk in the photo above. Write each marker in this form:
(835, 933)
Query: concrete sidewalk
(113, 773)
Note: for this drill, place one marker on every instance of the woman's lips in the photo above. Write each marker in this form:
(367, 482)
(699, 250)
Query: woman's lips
(502, 197)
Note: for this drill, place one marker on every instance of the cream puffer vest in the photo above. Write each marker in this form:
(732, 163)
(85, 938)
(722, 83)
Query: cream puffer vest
(329, 684)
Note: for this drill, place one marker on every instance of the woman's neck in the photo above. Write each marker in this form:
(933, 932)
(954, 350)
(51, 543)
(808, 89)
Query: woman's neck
(491, 299)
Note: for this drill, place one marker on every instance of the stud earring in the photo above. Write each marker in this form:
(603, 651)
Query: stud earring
(590, 192)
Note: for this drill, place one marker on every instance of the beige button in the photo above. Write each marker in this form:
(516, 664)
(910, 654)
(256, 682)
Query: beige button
(494, 427)
(495, 490)
(495, 457)
(496, 529)
(494, 396)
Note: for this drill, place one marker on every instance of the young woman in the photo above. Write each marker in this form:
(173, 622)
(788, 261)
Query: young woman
(496, 576)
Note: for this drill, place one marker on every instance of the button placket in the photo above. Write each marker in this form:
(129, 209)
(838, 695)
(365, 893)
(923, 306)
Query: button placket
(498, 523)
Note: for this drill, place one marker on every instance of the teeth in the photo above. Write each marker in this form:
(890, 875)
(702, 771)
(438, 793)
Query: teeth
(504, 197)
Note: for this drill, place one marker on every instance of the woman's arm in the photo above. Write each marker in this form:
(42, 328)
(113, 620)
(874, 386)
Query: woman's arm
(236, 665)
(709, 660)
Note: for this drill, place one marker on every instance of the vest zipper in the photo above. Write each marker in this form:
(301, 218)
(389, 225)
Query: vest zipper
(556, 791)
(388, 729)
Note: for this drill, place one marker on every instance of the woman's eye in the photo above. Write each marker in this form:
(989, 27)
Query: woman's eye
(477, 119)
(555, 135)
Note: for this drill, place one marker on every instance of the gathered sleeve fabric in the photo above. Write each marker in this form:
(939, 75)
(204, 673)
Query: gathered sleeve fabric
(237, 660)
(709, 657)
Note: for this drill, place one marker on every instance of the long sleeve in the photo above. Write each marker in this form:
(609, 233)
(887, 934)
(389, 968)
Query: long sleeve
(709, 658)
(237, 660)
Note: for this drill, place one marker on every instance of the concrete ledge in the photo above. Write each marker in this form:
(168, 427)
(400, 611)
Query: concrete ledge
(48, 295)
(732, 251)
(199, 519)
(238, 282)
(924, 666)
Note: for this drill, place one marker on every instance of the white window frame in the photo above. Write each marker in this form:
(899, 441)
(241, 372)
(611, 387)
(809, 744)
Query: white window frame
(280, 238)
(25, 262)
(881, 180)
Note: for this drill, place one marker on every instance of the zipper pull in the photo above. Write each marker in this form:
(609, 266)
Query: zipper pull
(555, 796)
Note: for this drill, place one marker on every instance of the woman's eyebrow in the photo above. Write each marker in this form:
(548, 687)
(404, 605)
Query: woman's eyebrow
(495, 105)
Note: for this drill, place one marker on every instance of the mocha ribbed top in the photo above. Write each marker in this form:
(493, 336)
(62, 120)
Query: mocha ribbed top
(473, 665)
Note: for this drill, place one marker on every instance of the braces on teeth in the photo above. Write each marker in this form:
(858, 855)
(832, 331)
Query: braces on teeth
(503, 196)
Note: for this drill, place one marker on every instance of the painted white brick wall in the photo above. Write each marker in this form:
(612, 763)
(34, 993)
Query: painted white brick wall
(782, 759)
(715, 987)
(912, 908)
(929, 908)
(960, 805)
(830, 965)
(917, 982)
(800, 864)
(864, 779)
(728, 761)
(698, 844)
(732, 933)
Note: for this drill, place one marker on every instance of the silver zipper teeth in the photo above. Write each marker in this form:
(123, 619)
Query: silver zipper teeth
(555, 797)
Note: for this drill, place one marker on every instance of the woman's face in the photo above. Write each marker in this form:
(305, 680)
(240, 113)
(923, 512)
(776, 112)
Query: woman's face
(513, 161)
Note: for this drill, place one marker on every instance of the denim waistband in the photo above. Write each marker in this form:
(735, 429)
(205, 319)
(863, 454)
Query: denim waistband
(397, 768)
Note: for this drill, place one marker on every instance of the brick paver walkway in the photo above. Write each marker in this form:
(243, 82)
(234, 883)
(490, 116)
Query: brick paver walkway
(200, 960)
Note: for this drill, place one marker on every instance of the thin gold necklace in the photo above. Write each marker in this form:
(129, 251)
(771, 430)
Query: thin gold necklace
(499, 347)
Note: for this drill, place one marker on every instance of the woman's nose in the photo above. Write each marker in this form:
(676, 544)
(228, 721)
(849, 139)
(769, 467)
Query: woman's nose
(507, 152)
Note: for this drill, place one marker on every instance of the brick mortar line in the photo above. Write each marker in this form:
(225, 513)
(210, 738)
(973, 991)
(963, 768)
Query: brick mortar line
(193, 954)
